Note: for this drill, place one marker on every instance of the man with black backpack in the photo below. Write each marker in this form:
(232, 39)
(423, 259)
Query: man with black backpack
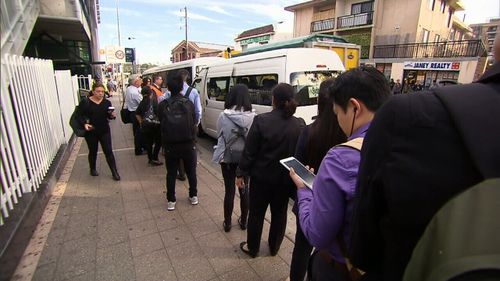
(421, 151)
(177, 123)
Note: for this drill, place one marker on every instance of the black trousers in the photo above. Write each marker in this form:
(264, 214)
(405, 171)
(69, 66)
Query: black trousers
(136, 130)
(93, 139)
(261, 196)
(229, 175)
(321, 270)
(301, 253)
(152, 142)
(173, 154)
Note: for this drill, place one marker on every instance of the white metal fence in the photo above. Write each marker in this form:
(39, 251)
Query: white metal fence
(34, 123)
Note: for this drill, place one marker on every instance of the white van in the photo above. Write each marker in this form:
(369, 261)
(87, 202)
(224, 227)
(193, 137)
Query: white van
(193, 66)
(303, 68)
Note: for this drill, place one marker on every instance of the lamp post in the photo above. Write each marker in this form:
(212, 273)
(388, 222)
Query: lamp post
(119, 44)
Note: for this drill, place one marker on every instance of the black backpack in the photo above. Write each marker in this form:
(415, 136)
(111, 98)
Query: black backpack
(177, 122)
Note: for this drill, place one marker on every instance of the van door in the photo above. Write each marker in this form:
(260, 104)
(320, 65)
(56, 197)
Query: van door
(217, 84)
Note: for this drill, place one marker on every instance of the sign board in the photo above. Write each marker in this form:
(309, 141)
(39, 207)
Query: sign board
(130, 55)
(432, 65)
(115, 54)
(263, 38)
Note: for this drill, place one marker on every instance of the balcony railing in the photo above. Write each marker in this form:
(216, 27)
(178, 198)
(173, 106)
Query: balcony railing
(463, 48)
(321, 25)
(355, 20)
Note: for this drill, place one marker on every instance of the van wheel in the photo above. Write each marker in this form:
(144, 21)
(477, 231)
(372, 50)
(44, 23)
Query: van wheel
(201, 133)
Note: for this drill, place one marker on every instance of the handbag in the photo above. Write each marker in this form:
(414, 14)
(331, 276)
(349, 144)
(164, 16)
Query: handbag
(75, 121)
(150, 122)
(125, 114)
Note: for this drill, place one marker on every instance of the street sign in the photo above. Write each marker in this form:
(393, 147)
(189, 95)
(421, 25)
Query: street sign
(130, 55)
(115, 54)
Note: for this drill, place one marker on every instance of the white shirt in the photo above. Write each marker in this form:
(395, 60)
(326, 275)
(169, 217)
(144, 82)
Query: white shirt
(132, 98)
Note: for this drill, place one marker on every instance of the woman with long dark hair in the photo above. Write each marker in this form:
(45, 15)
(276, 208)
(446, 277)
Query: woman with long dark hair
(232, 127)
(313, 144)
(147, 116)
(97, 111)
(272, 137)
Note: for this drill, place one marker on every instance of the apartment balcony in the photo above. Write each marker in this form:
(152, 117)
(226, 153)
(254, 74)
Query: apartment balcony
(356, 20)
(463, 48)
(322, 25)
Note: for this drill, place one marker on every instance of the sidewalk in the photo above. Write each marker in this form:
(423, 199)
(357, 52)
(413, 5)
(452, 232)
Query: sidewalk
(107, 230)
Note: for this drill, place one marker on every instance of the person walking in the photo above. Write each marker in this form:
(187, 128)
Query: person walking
(177, 125)
(132, 99)
(96, 111)
(147, 116)
(272, 136)
(232, 127)
(313, 144)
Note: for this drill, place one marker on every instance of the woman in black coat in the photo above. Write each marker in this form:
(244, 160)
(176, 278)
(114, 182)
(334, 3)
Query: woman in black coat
(272, 137)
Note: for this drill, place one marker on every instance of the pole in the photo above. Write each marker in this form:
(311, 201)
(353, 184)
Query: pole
(119, 44)
(185, 27)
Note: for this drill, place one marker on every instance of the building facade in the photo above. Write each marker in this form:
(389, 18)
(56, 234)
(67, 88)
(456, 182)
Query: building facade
(64, 31)
(399, 37)
(197, 50)
(259, 36)
(487, 33)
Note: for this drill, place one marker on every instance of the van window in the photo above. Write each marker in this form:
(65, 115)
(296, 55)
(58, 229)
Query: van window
(217, 88)
(259, 87)
(197, 85)
(306, 85)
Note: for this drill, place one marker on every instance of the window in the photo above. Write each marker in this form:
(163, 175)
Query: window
(363, 7)
(430, 4)
(436, 38)
(259, 87)
(425, 35)
(450, 13)
(306, 85)
(443, 6)
(217, 88)
(452, 34)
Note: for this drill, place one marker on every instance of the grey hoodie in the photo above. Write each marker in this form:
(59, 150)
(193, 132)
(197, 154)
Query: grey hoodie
(226, 122)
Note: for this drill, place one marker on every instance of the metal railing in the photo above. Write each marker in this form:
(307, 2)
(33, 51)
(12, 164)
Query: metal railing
(463, 48)
(34, 124)
(321, 25)
(355, 20)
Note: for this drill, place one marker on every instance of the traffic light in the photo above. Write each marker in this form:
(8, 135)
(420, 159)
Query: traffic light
(129, 55)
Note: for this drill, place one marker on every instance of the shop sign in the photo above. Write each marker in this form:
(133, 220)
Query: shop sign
(437, 65)
(115, 54)
(258, 39)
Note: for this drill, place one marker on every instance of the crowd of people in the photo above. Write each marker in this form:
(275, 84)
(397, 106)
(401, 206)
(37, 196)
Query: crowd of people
(384, 165)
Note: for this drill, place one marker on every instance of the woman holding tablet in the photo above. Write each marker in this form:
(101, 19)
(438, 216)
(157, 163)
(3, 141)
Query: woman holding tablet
(272, 137)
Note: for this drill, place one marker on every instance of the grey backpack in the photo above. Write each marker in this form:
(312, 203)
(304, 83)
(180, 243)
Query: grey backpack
(234, 144)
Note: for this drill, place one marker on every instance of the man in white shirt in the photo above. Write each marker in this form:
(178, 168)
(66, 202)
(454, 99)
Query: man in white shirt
(132, 99)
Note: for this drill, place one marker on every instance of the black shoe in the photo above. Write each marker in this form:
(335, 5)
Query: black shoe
(227, 226)
(181, 177)
(242, 224)
(94, 173)
(273, 252)
(155, 162)
(246, 250)
(116, 176)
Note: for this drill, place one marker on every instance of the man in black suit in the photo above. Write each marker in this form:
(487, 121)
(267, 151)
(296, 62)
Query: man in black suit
(416, 156)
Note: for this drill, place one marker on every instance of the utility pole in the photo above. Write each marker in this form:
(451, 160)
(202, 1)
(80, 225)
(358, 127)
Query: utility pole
(120, 44)
(186, 30)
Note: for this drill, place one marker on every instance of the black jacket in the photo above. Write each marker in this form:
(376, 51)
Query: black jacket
(414, 159)
(271, 138)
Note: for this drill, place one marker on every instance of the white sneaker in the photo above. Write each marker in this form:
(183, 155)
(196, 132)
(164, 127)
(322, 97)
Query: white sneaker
(194, 200)
(170, 206)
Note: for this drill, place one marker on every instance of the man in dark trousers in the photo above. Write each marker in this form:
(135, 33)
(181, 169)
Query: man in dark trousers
(420, 151)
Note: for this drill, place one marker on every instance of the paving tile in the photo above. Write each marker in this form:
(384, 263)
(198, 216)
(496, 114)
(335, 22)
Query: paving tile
(81, 225)
(166, 220)
(154, 263)
(142, 228)
(70, 272)
(45, 272)
(116, 271)
(135, 205)
(159, 276)
(176, 236)
(190, 263)
(270, 268)
(138, 216)
(111, 231)
(75, 255)
(221, 255)
(241, 273)
(146, 244)
(52, 247)
(192, 213)
(87, 276)
(117, 253)
(203, 227)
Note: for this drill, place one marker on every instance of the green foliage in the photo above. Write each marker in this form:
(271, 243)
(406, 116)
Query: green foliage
(362, 39)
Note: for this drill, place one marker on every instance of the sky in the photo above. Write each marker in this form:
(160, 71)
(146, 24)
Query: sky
(155, 27)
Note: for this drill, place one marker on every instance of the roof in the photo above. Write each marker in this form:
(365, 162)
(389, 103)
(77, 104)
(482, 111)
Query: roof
(256, 31)
(201, 47)
(303, 5)
(295, 43)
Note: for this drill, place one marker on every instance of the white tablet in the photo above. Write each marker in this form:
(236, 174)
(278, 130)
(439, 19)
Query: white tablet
(305, 175)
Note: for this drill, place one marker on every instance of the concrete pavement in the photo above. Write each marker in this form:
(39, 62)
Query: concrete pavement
(107, 230)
